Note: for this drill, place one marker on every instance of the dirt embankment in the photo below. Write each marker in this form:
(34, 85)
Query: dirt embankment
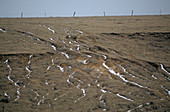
(89, 64)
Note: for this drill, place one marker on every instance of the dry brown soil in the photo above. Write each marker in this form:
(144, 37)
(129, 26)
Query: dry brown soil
(85, 64)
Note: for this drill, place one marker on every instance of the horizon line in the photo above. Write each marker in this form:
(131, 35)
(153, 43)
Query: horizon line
(87, 16)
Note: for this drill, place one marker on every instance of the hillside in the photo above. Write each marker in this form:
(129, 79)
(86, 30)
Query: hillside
(85, 64)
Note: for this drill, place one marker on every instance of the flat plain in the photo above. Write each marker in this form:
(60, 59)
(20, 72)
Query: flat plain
(85, 64)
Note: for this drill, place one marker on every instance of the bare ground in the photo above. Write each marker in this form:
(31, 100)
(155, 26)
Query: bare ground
(87, 64)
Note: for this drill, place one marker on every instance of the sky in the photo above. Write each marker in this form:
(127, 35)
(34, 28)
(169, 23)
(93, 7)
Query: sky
(66, 8)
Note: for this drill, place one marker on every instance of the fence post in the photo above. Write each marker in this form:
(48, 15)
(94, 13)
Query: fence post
(74, 14)
(132, 13)
(21, 14)
(160, 12)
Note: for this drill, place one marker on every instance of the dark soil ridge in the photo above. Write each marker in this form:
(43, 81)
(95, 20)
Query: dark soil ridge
(165, 35)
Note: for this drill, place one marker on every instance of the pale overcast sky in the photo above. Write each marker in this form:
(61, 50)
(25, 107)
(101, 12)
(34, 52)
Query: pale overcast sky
(55, 8)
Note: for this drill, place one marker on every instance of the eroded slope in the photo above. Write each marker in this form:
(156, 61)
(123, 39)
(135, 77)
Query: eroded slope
(51, 67)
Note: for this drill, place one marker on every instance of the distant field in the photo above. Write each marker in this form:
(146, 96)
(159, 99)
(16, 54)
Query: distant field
(85, 64)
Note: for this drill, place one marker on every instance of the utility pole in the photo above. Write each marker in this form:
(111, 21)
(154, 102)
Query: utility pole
(21, 14)
(74, 14)
(104, 13)
(45, 14)
(132, 13)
